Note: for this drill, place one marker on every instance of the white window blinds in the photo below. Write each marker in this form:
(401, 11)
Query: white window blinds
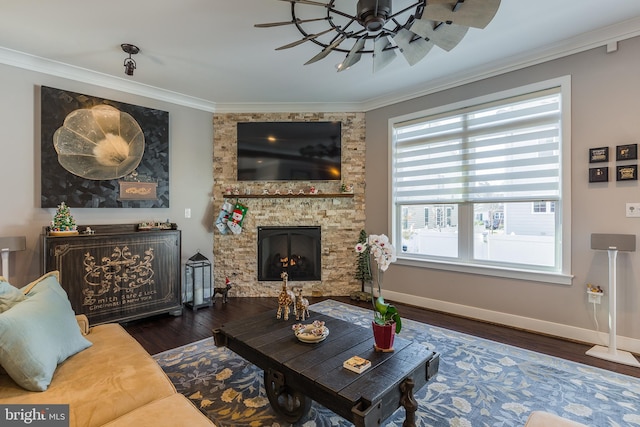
(502, 151)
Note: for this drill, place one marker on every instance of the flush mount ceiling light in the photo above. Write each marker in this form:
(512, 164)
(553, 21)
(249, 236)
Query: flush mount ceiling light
(129, 63)
(383, 29)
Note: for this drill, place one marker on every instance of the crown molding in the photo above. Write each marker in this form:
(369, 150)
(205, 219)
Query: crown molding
(298, 107)
(597, 38)
(59, 69)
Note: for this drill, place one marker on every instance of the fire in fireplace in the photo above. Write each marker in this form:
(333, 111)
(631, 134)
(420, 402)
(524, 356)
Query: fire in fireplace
(295, 250)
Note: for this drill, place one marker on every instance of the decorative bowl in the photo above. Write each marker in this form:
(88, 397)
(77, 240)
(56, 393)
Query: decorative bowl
(311, 333)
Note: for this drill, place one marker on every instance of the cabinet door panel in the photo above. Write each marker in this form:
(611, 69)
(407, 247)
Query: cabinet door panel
(118, 277)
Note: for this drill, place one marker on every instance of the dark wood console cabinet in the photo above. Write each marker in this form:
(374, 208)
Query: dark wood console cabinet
(118, 273)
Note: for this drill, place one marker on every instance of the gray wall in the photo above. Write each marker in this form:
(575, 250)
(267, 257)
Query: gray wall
(605, 112)
(190, 167)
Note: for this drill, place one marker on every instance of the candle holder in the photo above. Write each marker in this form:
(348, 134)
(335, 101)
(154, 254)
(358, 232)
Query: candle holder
(198, 284)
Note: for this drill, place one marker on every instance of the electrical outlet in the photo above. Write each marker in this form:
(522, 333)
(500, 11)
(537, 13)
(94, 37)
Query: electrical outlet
(594, 297)
(632, 210)
(187, 213)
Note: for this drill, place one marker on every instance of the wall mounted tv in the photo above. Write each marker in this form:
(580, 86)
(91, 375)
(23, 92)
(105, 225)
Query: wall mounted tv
(289, 151)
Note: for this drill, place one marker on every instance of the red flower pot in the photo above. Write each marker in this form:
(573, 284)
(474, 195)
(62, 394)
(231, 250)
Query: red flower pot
(383, 336)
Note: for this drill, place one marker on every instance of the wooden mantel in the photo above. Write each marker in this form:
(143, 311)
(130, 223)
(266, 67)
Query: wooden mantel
(288, 196)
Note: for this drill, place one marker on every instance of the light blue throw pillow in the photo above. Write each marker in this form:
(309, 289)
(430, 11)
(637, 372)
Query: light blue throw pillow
(37, 334)
(9, 295)
(47, 281)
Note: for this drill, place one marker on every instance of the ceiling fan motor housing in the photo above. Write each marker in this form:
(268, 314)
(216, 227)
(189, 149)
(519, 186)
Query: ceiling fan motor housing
(373, 14)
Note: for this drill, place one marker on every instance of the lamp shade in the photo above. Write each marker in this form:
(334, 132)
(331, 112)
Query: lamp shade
(10, 244)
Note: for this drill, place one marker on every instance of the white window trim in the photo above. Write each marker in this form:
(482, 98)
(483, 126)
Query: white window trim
(563, 277)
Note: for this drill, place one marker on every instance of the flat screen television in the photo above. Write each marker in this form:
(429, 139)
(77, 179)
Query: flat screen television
(289, 151)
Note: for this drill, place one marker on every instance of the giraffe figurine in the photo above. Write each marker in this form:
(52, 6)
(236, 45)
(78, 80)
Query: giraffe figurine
(302, 306)
(285, 299)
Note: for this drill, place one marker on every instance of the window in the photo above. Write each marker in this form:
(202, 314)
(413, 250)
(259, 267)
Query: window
(543, 207)
(539, 207)
(488, 181)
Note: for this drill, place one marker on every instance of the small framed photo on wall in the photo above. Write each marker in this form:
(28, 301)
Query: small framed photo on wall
(627, 173)
(597, 155)
(627, 152)
(599, 174)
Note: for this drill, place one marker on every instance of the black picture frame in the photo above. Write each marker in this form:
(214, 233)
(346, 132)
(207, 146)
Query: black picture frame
(58, 185)
(627, 152)
(627, 173)
(599, 174)
(598, 154)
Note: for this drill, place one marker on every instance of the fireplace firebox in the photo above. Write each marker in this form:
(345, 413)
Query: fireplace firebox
(295, 250)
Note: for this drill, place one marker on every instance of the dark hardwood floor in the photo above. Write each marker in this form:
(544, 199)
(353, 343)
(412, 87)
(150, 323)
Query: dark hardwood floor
(165, 332)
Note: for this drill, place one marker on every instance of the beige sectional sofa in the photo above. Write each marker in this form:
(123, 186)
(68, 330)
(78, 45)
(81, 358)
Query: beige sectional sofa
(112, 382)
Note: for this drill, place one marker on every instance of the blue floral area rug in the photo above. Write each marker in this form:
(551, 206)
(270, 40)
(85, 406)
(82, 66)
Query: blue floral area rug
(479, 383)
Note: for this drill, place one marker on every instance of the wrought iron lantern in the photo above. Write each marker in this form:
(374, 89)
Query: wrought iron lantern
(198, 283)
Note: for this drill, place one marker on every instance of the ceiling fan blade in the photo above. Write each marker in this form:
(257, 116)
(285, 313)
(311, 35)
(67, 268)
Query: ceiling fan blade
(307, 38)
(382, 57)
(309, 2)
(353, 56)
(326, 51)
(413, 50)
(445, 36)
(297, 21)
(469, 13)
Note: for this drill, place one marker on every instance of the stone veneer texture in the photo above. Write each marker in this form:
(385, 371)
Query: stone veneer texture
(341, 218)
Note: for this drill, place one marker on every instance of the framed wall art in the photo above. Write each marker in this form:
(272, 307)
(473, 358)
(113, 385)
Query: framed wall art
(599, 174)
(99, 153)
(597, 155)
(627, 173)
(627, 152)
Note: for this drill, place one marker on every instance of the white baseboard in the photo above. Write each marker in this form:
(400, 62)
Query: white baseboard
(535, 325)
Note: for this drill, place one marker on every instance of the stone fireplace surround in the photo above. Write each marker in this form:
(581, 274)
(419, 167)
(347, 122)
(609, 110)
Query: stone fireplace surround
(341, 218)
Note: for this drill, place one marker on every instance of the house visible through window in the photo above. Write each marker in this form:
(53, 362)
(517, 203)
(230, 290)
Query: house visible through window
(543, 207)
(482, 185)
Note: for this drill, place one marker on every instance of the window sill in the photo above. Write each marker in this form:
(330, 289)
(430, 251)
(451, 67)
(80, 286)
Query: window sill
(529, 275)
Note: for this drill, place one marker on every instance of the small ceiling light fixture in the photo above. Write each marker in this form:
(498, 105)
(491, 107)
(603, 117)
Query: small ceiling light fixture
(373, 27)
(129, 63)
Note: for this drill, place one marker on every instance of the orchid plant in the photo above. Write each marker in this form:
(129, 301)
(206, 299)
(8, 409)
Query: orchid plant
(378, 247)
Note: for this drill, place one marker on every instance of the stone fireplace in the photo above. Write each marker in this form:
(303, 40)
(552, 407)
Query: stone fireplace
(340, 217)
(294, 250)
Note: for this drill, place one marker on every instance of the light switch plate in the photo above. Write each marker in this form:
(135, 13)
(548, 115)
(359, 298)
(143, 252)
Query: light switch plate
(633, 210)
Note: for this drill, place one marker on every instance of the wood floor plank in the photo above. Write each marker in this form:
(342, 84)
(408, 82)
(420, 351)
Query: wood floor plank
(161, 333)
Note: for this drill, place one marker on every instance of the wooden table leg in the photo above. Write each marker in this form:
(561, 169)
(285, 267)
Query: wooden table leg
(408, 402)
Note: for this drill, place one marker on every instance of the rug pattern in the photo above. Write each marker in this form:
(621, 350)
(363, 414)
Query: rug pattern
(479, 383)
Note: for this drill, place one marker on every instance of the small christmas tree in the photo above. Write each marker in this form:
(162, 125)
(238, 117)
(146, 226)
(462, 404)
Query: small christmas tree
(63, 221)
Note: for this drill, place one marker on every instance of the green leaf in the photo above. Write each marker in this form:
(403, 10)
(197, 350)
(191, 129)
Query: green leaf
(393, 315)
(398, 321)
(381, 306)
(378, 320)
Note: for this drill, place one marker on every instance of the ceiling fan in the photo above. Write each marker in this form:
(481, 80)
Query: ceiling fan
(373, 27)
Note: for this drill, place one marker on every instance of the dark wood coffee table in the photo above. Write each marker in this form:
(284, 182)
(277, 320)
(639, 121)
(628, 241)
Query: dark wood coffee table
(296, 372)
